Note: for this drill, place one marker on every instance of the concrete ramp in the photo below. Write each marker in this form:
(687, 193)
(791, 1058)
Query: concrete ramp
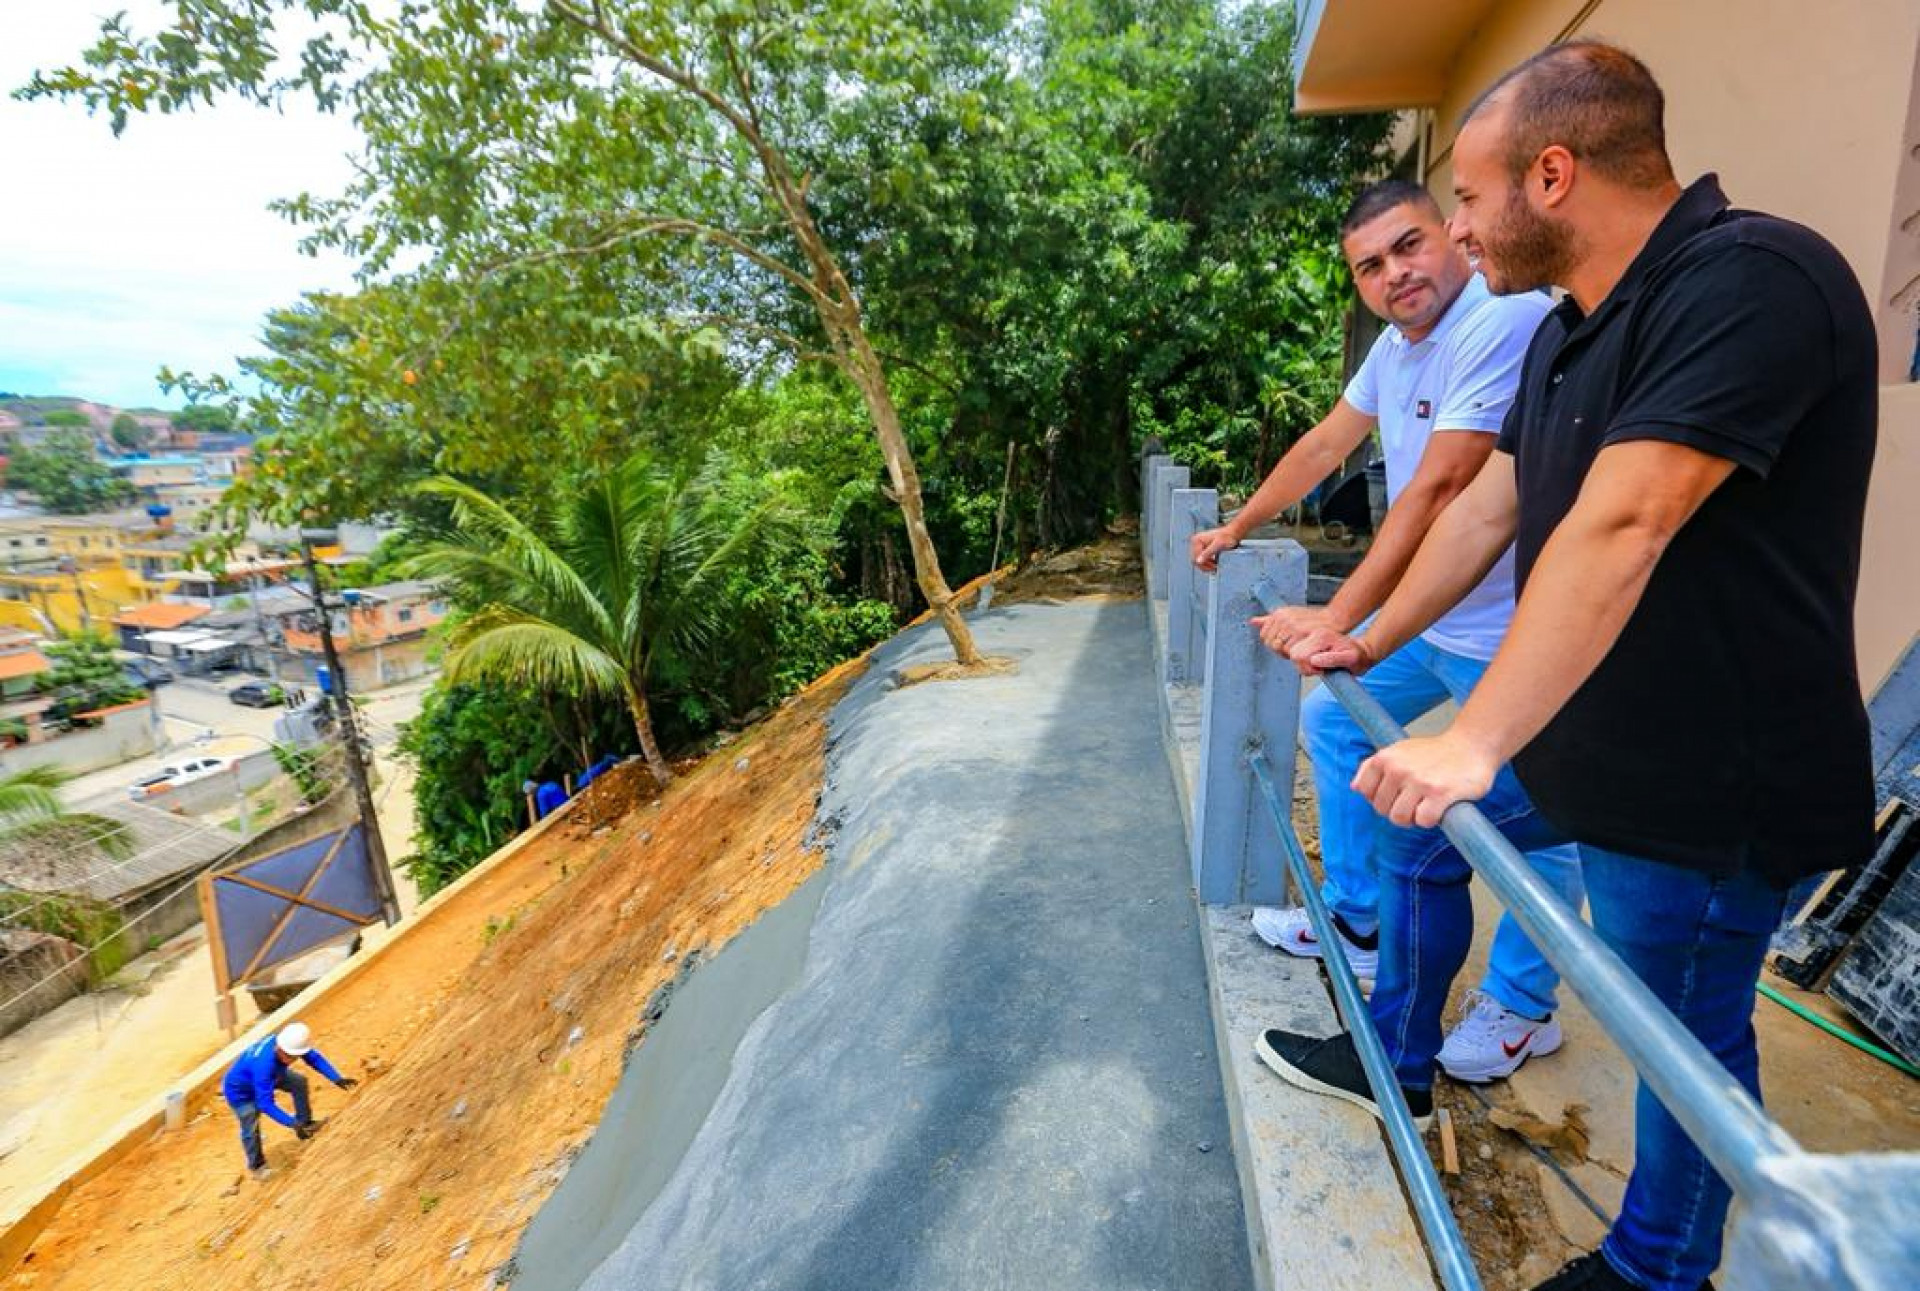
(993, 1066)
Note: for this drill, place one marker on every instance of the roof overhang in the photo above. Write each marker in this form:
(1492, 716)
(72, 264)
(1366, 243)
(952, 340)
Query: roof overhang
(1378, 55)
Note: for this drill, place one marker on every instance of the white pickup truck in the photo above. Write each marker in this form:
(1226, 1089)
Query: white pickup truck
(167, 779)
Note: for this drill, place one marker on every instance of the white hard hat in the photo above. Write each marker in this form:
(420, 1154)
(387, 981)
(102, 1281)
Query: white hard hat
(294, 1039)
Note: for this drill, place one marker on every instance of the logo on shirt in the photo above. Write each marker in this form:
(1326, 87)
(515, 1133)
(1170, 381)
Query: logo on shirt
(1424, 409)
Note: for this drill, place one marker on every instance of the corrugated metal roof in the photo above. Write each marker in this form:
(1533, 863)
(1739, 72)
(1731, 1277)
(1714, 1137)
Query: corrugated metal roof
(165, 847)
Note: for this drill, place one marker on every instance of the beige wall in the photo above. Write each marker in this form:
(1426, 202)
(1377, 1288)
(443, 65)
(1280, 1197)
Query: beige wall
(1809, 112)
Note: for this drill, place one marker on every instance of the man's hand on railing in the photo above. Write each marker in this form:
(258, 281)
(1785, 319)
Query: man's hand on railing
(1280, 628)
(1326, 649)
(1207, 545)
(1415, 781)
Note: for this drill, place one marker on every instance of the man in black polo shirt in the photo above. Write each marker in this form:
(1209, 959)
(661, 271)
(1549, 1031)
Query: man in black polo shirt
(1683, 474)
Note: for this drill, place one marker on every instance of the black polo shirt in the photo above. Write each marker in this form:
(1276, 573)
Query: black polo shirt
(1724, 731)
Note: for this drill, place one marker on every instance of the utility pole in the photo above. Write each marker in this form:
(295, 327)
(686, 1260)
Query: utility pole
(260, 624)
(350, 734)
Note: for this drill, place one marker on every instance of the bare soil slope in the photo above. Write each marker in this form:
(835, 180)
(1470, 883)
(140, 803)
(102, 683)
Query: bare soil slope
(487, 1043)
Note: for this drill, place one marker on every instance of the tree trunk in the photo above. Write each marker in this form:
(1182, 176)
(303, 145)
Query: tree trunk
(863, 365)
(643, 726)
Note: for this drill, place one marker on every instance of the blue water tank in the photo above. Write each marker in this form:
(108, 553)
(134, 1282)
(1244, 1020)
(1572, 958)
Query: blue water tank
(324, 677)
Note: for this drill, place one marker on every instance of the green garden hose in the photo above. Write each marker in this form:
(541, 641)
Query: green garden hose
(1859, 1042)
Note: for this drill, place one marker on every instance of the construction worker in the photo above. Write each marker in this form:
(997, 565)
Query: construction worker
(262, 1069)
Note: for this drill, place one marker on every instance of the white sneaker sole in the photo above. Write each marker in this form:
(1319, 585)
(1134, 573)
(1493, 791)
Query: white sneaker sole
(1307, 950)
(1542, 1042)
(1299, 1079)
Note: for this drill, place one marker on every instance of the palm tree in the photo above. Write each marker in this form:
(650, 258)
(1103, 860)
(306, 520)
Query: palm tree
(626, 575)
(30, 808)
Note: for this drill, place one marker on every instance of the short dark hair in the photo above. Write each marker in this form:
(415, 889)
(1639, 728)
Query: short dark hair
(1592, 98)
(1376, 200)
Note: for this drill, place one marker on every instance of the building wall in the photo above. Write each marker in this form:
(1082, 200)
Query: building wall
(108, 590)
(369, 667)
(1807, 113)
(122, 735)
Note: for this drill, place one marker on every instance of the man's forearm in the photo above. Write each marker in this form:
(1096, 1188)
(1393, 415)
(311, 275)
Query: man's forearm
(1316, 456)
(1459, 548)
(1366, 589)
(1583, 589)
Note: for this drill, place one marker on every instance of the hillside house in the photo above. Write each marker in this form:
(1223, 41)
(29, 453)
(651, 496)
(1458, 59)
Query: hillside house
(381, 633)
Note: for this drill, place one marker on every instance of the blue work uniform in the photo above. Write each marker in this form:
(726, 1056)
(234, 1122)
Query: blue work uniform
(252, 1082)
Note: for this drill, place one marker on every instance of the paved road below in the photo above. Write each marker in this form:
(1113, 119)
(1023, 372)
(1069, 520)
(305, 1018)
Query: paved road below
(994, 1066)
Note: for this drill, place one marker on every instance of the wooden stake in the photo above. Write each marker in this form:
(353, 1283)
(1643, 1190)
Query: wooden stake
(1449, 1150)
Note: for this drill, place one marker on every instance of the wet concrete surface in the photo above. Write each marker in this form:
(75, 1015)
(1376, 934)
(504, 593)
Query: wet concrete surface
(995, 1067)
(666, 1093)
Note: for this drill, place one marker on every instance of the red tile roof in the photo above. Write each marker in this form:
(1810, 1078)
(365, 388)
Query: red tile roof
(160, 616)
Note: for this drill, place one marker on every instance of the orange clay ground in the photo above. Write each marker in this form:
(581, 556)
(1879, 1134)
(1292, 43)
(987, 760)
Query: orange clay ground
(487, 1041)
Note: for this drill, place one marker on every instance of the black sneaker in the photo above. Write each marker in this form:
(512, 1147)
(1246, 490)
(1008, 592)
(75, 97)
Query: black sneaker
(1592, 1272)
(1332, 1066)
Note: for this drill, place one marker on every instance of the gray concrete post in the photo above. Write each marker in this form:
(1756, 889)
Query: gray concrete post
(1252, 700)
(1192, 511)
(1147, 468)
(1165, 481)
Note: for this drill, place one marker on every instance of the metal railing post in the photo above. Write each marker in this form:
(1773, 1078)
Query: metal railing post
(1165, 480)
(1192, 511)
(1251, 701)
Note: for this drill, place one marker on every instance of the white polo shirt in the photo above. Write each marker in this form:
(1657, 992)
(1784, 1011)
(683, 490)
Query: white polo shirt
(1462, 376)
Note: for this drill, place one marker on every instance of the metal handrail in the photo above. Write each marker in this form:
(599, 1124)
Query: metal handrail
(1724, 1121)
(1450, 1255)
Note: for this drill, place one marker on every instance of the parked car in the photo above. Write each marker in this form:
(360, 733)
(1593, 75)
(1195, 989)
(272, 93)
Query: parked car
(147, 672)
(257, 694)
(167, 779)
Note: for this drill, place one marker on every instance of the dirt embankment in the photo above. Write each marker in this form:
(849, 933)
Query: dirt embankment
(487, 1043)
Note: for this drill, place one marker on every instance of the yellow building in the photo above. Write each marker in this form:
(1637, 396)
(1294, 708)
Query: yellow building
(89, 538)
(1807, 113)
(51, 600)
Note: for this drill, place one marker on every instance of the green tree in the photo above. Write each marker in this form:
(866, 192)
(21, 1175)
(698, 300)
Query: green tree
(67, 419)
(86, 675)
(647, 121)
(473, 746)
(128, 433)
(205, 418)
(66, 476)
(30, 808)
(625, 578)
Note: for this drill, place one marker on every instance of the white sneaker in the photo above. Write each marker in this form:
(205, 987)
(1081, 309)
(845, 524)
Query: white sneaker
(1290, 930)
(261, 1173)
(1491, 1041)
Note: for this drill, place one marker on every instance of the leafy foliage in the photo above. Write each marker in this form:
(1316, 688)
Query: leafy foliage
(128, 433)
(898, 257)
(622, 584)
(308, 770)
(86, 675)
(30, 808)
(473, 747)
(64, 473)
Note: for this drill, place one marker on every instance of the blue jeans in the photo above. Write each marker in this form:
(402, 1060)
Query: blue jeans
(1410, 682)
(291, 1082)
(1695, 940)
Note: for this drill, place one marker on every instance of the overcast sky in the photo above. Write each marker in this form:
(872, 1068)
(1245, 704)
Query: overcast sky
(120, 255)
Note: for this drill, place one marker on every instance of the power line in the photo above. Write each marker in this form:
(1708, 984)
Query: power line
(194, 829)
(154, 909)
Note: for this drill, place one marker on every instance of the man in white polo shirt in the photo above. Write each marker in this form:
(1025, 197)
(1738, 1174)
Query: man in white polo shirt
(1438, 383)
